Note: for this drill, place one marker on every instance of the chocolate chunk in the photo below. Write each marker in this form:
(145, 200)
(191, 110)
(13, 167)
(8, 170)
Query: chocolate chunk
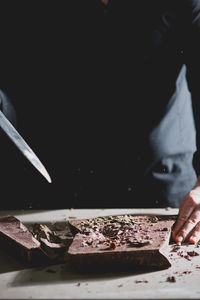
(18, 240)
(39, 247)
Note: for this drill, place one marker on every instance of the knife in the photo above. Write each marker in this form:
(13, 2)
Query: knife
(18, 140)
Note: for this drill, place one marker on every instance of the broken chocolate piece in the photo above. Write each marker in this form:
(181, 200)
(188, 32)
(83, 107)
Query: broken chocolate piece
(136, 241)
(53, 243)
(41, 231)
(50, 242)
(18, 240)
(39, 247)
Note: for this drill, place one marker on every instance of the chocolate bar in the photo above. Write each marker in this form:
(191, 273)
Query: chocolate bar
(121, 240)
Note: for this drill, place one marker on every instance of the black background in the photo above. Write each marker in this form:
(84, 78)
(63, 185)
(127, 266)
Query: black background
(66, 67)
(56, 69)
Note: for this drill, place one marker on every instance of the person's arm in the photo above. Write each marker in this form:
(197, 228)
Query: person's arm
(188, 223)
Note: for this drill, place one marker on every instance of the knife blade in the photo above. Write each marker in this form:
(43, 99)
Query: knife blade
(18, 140)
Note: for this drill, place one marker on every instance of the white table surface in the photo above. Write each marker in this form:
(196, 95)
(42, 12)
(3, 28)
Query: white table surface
(61, 282)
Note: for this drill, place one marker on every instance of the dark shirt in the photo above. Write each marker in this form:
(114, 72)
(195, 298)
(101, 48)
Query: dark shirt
(102, 93)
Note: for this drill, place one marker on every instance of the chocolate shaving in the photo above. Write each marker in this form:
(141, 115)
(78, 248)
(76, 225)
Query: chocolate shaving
(192, 253)
(171, 279)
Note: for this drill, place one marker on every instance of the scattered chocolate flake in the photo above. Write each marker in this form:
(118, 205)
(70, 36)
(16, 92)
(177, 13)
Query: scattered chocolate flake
(141, 281)
(164, 229)
(182, 273)
(197, 267)
(138, 243)
(175, 248)
(184, 254)
(171, 279)
(187, 272)
(154, 219)
(187, 257)
(78, 284)
(120, 285)
(192, 253)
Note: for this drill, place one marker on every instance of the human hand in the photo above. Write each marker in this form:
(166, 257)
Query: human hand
(187, 226)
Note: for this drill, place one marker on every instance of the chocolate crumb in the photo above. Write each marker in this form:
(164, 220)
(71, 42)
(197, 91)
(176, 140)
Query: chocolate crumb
(187, 257)
(187, 272)
(171, 279)
(120, 285)
(141, 281)
(78, 284)
(175, 248)
(197, 267)
(154, 219)
(164, 229)
(192, 253)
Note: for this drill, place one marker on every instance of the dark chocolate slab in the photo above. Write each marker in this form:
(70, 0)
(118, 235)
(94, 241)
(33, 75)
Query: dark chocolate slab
(138, 240)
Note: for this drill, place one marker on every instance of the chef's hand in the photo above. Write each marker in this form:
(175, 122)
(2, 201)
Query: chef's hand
(187, 226)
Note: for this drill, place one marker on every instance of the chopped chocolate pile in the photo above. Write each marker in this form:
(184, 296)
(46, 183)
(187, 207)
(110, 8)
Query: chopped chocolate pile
(124, 239)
